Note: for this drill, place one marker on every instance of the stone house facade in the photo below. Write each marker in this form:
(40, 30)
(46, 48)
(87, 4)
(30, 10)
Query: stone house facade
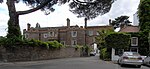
(67, 35)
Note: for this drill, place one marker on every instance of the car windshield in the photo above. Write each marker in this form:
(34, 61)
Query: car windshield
(131, 53)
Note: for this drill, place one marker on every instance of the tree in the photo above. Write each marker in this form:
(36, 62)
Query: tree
(144, 19)
(149, 41)
(87, 8)
(100, 39)
(90, 8)
(120, 21)
(144, 15)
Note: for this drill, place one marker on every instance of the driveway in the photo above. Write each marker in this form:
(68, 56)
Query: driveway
(66, 63)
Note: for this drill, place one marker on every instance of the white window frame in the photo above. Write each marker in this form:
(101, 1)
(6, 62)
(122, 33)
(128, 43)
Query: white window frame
(132, 42)
(97, 33)
(45, 35)
(74, 42)
(74, 33)
(91, 33)
(26, 35)
(51, 34)
(63, 42)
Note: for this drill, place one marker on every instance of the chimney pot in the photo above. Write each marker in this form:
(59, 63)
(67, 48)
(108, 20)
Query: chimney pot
(68, 22)
(85, 20)
(28, 26)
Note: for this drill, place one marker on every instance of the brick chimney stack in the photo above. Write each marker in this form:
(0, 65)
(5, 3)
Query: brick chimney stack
(68, 22)
(110, 22)
(28, 26)
(85, 20)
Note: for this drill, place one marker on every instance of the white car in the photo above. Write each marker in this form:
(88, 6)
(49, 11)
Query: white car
(146, 61)
(130, 58)
(92, 53)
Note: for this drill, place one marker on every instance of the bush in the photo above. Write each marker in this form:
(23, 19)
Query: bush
(105, 54)
(15, 41)
(78, 47)
(54, 45)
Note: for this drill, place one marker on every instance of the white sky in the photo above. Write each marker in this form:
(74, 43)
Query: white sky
(61, 13)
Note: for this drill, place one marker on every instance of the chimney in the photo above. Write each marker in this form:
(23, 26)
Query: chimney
(28, 27)
(68, 22)
(85, 20)
(110, 22)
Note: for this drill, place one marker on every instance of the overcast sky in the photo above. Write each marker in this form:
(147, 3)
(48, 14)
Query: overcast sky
(59, 16)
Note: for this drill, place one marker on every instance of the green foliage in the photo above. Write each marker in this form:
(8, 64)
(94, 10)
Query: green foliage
(54, 44)
(13, 30)
(149, 41)
(143, 42)
(100, 39)
(15, 42)
(77, 47)
(105, 54)
(122, 20)
(90, 8)
(118, 40)
(11, 41)
(144, 15)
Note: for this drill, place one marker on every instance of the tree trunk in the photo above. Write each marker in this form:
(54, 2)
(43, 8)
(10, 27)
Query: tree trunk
(13, 22)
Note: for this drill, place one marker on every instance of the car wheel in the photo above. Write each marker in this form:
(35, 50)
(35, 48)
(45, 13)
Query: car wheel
(139, 66)
(118, 62)
(121, 65)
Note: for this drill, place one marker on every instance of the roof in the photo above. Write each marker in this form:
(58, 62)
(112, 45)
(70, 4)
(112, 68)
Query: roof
(98, 26)
(130, 29)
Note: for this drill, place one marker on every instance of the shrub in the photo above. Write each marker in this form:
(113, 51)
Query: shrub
(105, 53)
(54, 44)
(15, 41)
(78, 47)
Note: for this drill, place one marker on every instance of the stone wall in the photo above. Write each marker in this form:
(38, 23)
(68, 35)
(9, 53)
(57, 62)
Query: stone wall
(27, 53)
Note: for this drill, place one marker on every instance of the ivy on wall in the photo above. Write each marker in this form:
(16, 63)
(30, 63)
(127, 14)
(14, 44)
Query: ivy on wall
(118, 40)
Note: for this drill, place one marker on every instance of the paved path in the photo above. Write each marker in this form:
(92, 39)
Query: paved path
(67, 63)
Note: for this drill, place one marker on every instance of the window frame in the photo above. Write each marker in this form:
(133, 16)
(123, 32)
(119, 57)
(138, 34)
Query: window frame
(51, 35)
(74, 42)
(45, 35)
(134, 39)
(72, 33)
(90, 33)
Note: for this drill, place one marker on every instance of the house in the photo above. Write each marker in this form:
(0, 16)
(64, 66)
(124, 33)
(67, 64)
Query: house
(134, 39)
(67, 35)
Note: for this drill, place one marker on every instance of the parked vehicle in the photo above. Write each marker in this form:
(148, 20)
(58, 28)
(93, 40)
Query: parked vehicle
(92, 53)
(146, 61)
(130, 58)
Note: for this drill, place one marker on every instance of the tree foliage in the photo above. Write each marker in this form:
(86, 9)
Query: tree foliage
(84, 8)
(122, 20)
(118, 40)
(144, 15)
(143, 42)
(90, 8)
(100, 39)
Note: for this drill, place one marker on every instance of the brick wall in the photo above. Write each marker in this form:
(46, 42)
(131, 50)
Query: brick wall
(27, 53)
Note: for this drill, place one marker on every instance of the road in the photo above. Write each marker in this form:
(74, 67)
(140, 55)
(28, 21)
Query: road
(67, 63)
